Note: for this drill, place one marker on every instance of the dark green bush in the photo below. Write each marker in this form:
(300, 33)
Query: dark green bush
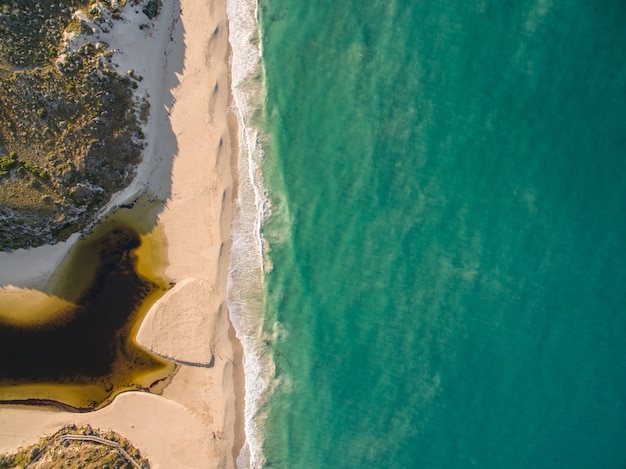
(151, 8)
(8, 163)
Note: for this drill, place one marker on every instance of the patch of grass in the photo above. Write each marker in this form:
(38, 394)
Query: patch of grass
(22, 196)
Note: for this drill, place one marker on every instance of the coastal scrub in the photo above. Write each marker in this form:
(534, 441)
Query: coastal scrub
(70, 132)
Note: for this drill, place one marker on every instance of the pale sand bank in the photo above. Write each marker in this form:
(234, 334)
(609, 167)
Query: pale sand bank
(32, 268)
(198, 421)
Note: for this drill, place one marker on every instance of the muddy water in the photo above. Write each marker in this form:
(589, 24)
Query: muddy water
(80, 351)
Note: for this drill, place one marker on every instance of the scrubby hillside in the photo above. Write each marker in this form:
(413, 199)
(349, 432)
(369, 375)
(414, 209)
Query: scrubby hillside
(70, 131)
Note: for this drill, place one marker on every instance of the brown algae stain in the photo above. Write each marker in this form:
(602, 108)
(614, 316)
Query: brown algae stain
(30, 307)
(74, 344)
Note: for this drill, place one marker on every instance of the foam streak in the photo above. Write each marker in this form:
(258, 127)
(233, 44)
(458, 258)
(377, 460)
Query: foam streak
(245, 280)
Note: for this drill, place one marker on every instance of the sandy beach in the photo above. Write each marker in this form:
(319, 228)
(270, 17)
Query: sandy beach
(188, 164)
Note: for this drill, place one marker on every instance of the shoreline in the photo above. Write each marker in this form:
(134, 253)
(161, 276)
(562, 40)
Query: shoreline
(198, 419)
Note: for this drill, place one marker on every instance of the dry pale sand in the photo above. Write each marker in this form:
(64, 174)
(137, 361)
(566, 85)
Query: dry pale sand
(198, 420)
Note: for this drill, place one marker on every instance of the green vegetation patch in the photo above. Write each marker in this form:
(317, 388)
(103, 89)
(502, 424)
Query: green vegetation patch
(92, 448)
(30, 31)
(69, 129)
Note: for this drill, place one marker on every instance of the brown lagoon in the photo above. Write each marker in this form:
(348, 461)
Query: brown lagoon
(73, 345)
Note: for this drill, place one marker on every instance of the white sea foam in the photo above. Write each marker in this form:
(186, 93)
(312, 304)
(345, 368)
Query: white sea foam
(246, 273)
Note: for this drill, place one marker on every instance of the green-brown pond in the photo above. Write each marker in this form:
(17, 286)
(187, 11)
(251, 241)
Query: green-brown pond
(74, 343)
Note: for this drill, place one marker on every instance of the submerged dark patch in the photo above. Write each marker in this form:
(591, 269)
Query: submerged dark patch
(94, 344)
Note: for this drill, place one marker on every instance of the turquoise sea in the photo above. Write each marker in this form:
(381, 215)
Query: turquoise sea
(443, 195)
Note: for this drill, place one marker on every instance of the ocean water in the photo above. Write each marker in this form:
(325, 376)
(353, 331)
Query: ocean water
(429, 267)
